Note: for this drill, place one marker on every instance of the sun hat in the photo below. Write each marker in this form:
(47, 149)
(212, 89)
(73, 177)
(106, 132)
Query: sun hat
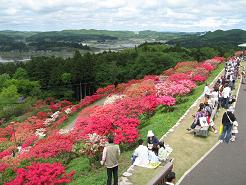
(150, 133)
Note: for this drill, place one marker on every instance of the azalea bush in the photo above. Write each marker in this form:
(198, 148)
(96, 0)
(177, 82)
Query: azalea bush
(146, 87)
(42, 173)
(199, 78)
(178, 76)
(167, 100)
(191, 64)
(3, 166)
(92, 147)
(209, 67)
(50, 147)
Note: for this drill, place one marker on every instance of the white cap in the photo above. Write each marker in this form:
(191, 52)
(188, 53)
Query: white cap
(231, 109)
(150, 133)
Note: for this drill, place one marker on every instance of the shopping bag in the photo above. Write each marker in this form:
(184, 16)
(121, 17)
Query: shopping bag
(203, 121)
(221, 129)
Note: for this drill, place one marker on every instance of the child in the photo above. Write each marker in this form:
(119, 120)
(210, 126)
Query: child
(234, 131)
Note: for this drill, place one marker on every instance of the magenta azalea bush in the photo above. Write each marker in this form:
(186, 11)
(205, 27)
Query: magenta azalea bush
(167, 100)
(199, 78)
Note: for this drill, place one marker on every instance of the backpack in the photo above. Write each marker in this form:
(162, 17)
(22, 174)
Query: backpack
(208, 109)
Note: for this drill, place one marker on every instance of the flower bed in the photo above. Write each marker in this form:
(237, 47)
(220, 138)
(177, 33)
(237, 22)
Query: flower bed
(42, 173)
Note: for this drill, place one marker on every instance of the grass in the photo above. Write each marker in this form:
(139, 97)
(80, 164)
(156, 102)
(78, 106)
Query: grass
(160, 123)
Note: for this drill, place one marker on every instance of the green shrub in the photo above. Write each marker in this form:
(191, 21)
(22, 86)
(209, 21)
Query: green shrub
(80, 165)
(5, 145)
(7, 175)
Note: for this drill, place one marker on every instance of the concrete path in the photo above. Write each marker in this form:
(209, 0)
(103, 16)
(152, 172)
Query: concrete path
(226, 164)
(97, 103)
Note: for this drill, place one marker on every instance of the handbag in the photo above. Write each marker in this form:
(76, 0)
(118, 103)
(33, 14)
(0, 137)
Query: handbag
(221, 129)
(203, 121)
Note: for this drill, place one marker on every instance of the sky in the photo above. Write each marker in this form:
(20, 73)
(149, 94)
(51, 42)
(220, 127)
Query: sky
(134, 15)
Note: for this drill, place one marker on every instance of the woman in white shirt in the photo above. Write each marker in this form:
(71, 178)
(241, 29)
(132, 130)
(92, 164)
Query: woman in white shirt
(226, 94)
(141, 155)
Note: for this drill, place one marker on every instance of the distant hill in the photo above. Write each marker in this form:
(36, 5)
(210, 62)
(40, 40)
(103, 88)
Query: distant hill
(219, 38)
(71, 39)
(83, 34)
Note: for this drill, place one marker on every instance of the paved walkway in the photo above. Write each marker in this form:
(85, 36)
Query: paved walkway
(226, 164)
(72, 124)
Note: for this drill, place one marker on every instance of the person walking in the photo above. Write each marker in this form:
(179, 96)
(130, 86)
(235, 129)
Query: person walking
(206, 91)
(227, 122)
(111, 154)
(226, 95)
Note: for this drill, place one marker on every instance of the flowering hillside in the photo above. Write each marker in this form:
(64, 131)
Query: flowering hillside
(43, 143)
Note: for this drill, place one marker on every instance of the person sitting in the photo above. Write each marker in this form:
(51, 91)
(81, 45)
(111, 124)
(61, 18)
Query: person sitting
(162, 152)
(153, 158)
(208, 111)
(170, 178)
(152, 142)
(141, 155)
(200, 113)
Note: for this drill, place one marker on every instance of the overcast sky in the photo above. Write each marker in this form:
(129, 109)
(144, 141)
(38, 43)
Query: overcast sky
(159, 15)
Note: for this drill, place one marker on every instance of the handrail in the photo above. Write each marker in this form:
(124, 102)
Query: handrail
(160, 178)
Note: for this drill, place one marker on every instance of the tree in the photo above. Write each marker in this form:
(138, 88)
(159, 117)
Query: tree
(20, 73)
(9, 95)
(66, 78)
(207, 52)
(3, 78)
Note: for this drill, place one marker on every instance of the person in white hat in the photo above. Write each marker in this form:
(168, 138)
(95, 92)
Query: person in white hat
(152, 142)
(227, 120)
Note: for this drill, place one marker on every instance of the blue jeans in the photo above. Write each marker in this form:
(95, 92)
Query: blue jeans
(226, 134)
(226, 103)
(220, 102)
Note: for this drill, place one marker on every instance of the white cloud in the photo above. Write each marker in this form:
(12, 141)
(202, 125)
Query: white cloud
(161, 15)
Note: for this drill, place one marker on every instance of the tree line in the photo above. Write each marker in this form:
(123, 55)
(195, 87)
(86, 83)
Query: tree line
(62, 78)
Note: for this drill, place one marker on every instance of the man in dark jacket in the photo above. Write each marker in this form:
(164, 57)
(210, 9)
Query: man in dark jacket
(227, 121)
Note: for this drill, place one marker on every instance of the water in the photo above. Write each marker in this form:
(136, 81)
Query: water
(2, 60)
